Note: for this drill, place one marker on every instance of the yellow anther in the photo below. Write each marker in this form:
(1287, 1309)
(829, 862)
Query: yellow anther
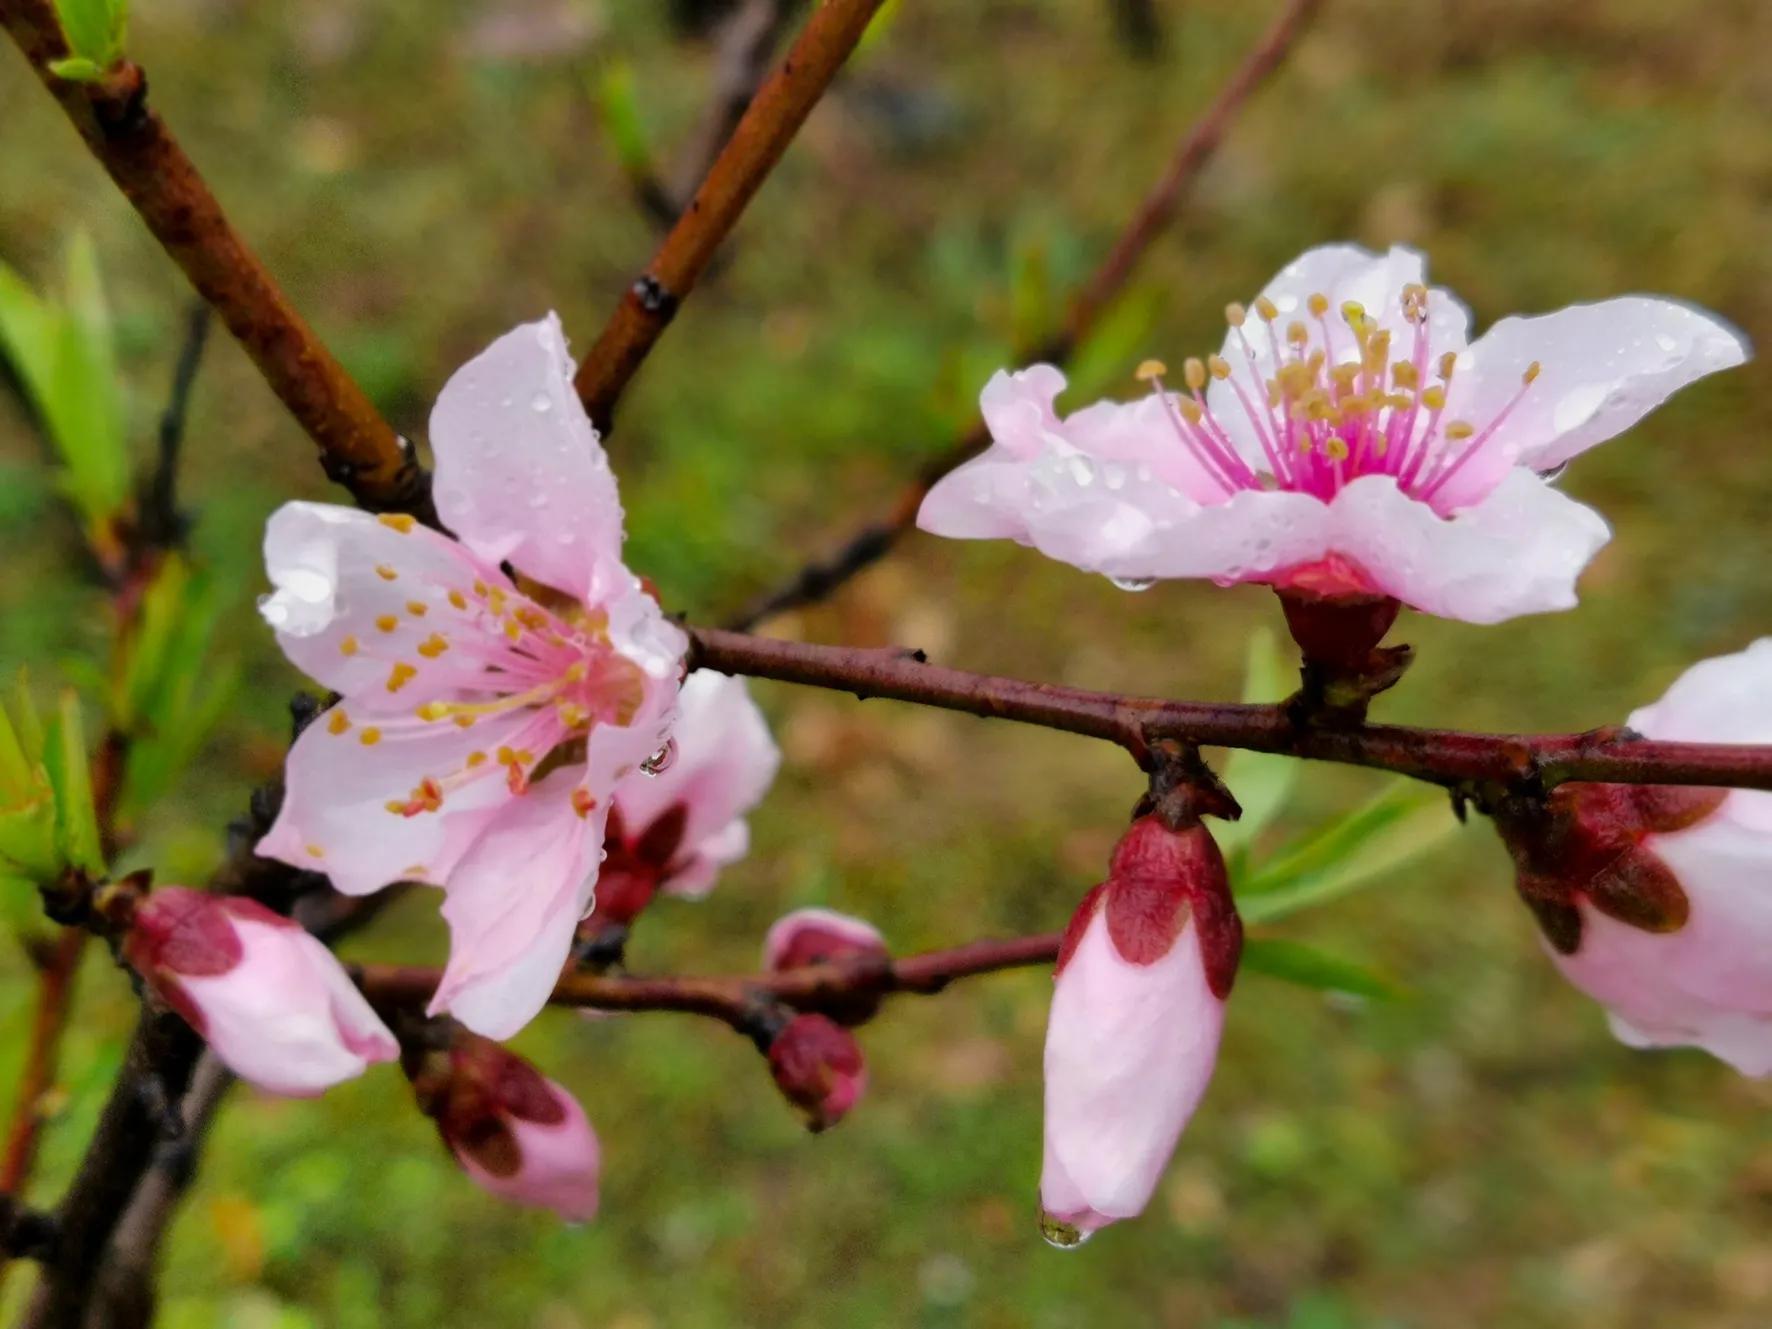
(396, 807)
(464, 722)
(1266, 308)
(476, 758)
(387, 622)
(1193, 373)
(1318, 304)
(1434, 398)
(1353, 313)
(1335, 449)
(1150, 370)
(514, 630)
(1448, 362)
(433, 646)
(369, 737)
(572, 715)
(457, 599)
(1344, 375)
(1297, 333)
(582, 801)
(480, 588)
(506, 755)
(1460, 429)
(1216, 366)
(1398, 401)
(496, 599)
(531, 617)
(417, 608)
(397, 521)
(348, 646)
(315, 851)
(1190, 410)
(338, 721)
(434, 710)
(1404, 375)
(1532, 372)
(386, 573)
(400, 675)
(1234, 314)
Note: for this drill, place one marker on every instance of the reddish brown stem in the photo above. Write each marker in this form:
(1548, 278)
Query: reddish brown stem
(757, 143)
(829, 988)
(55, 992)
(872, 542)
(1457, 760)
(133, 144)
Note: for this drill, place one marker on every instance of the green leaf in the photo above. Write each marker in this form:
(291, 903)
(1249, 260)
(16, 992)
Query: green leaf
(1107, 356)
(94, 29)
(1309, 967)
(1348, 854)
(27, 803)
(619, 110)
(1261, 781)
(1031, 297)
(71, 777)
(63, 356)
(76, 69)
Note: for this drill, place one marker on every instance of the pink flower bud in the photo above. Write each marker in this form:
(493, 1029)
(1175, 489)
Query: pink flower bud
(516, 1133)
(1654, 899)
(818, 936)
(274, 1004)
(818, 1064)
(1137, 1009)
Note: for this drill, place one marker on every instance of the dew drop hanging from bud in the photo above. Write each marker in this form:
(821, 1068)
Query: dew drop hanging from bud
(1134, 583)
(1060, 1235)
(661, 761)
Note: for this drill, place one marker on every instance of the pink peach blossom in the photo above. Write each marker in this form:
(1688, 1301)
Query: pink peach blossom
(1132, 1039)
(673, 830)
(273, 1003)
(1347, 439)
(484, 721)
(1697, 971)
(517, 1134)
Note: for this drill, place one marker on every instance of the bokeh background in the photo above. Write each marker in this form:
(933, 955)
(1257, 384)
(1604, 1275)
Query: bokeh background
(423, 176)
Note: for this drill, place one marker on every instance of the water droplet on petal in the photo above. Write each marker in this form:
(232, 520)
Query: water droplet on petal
(1060, 1235)
(1134, 583)
(1082, 470)
(662, 760)
(1666, 342)
(541, 403)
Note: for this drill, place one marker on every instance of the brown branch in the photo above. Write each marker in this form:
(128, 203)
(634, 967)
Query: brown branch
(133, 144)
(757, 143)
(872, 542)
(836, 987)
(1457, 760)
(55, 993)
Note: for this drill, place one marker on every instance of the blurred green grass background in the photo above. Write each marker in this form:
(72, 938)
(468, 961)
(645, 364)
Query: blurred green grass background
(421, 177)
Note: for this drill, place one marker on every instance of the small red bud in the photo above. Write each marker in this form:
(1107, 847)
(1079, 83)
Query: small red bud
(818, 1065)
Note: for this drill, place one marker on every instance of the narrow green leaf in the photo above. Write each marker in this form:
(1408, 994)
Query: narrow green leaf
(619, 110)
(86, 401)
(27, 335)
(1348, 854)
(1295, 962)
(94, 29)
(1108, 355)
(1261, 781)
(71, 777)
(76, 69)
(26, 717)
(1031, 298)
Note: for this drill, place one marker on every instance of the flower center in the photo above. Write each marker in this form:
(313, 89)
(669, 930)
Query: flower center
(1339, 404)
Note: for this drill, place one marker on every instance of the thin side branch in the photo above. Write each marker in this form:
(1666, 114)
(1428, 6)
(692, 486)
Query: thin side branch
(757, 144)
(133, 144)
(55, 994)
(831, 988)
(1454, 759)
(874, 540)
(162, 524)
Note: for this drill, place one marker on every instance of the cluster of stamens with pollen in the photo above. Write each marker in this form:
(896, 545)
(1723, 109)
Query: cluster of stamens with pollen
(499, 651)
(1341, 403)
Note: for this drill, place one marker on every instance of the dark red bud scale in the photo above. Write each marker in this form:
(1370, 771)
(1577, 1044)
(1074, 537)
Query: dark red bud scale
(484, 1090)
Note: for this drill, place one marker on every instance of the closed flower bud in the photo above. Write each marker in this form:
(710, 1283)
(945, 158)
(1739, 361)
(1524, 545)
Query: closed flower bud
(1654, 899)
(517, 1134)
(818, 1065)
(1137, 1009)
(274, 1004)
(675, 824)
(819, 936)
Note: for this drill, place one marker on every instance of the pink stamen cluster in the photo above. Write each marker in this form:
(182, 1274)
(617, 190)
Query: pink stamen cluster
(1337, 407)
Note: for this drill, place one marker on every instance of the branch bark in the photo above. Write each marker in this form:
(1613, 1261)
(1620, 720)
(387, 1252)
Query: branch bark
(757, 143)
(875, 539)
(357, 447)
(830, 988)
(1457, 760)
